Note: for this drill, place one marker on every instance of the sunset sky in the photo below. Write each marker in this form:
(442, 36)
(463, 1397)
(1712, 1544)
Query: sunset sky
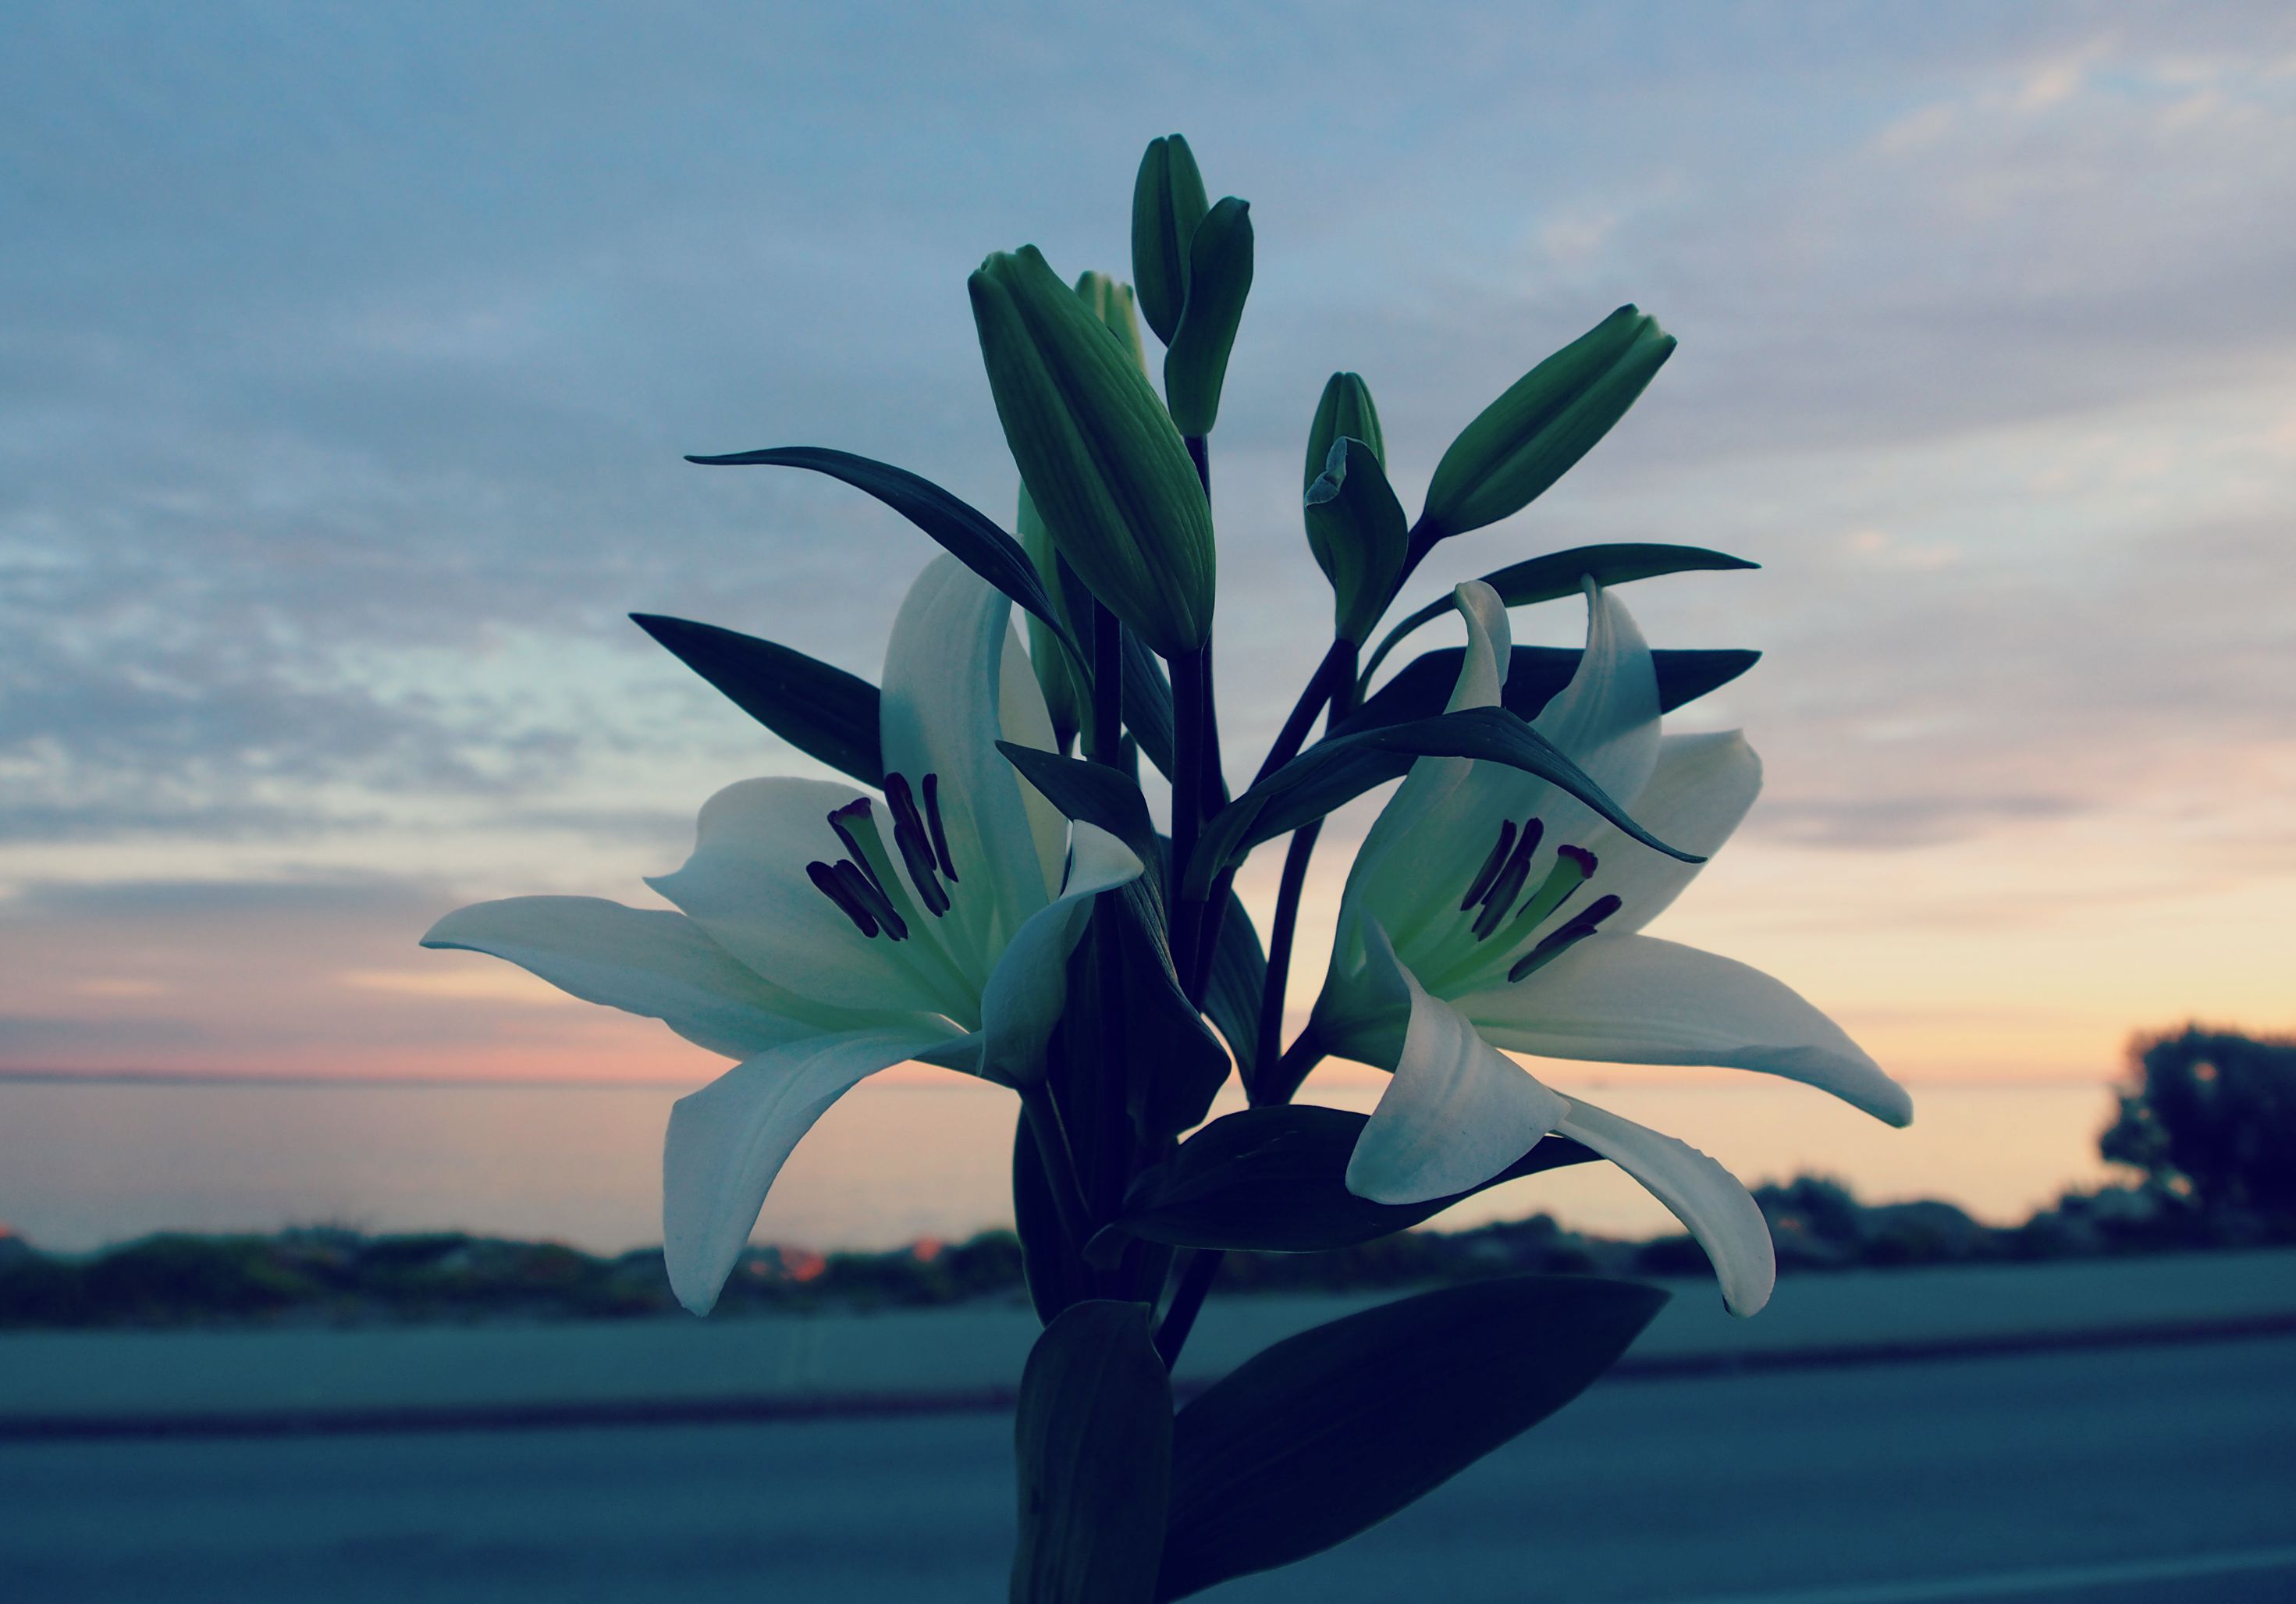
(348, 356)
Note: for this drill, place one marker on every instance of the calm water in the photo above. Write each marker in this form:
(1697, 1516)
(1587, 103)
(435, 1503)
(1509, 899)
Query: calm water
(84, 1164)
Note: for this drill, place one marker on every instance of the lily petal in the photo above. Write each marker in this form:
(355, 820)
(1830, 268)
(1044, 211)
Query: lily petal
(1025, 992)
(1026, 722)
(1456, 1112)
(1433, 833)
(728, 1141)
(940, 714)
(1706, 1197)
(646, 961)
(1637, 999)
(1606, 720)
(746, 886)
(1699, 791)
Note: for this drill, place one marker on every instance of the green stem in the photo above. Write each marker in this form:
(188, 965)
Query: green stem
(1187, 797)
(1279, 958)
(1187, 1300)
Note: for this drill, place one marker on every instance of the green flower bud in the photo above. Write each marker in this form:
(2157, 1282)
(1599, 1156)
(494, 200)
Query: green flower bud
(1097, 451)
(1355, 529)
(1550, 418)
(1110, 300)
(1219, 278)
(1345, 412)
(1167, 203)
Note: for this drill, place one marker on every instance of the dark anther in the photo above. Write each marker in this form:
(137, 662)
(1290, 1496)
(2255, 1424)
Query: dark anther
(1580, 855)
(863, 888)
(916, 848)
(1553, 947)
(824, 880)
(1509, 885)
(939, 836)
(1489, 872)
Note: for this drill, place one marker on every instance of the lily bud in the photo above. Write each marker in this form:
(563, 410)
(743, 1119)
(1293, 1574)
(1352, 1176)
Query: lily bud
(1546, 422)
(1098, 452)
(1110, 300)
(1219, 278)
(1355, 529)
(1345, 412)
(1167, 203)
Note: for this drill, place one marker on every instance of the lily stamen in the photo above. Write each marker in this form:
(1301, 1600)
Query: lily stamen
(1555, 946)
(939, 836)
(825, 881)
(1489, 872)
(911, 839)
(1574, 866)
(1509, 885)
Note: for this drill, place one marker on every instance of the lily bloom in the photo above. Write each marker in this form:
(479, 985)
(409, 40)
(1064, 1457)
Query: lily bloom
(823, 934)
(1489, 910)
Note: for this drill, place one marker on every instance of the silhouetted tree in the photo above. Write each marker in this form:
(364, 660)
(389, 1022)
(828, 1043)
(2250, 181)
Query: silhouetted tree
(2210, 1118)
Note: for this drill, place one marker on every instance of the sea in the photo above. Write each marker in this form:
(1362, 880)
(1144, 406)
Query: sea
(86, 1162)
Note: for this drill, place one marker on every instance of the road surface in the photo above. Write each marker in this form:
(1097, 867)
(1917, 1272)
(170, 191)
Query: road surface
(2161, 1473)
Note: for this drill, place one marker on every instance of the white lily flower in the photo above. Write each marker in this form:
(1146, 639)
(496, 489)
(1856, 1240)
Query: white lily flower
(1488, 909)
(823, 933)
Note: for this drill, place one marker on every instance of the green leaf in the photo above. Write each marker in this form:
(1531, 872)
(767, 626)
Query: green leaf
(1357, 531)
(1546, 422)
(1148, 703)
(1535, 675)
(1237, 984)
(1097, 450)
(1274, 1181)
(1177, 1064)
(1219, 281)
(1168, 203)
(823, 711)
(1091, 792)
(1331, 1431)
(1093, 1442)
(1340, 767)
(964, 530)
(1056, 1273)
(1171, 1065)
(1560, 573)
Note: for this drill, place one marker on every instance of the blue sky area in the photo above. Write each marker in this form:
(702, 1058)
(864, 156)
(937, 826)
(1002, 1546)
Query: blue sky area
(348, 354)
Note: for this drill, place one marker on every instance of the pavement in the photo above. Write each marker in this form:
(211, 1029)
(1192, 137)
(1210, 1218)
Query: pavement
(61, 1384)
(2155, 1471)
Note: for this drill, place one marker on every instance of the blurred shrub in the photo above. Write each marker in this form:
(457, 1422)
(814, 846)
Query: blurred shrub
(2210, 1117)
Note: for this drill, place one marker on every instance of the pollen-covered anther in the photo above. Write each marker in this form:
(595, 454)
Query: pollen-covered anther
(1553, 946)
(913, 841)
(940, 834)
(864, 875)
(1506, 885)
(825, 881)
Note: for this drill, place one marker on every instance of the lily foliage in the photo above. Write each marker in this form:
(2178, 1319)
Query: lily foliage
(994, 894)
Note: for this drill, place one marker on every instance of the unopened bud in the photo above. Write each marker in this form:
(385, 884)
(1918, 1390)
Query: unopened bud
(1167, 203)
(1098, 452)
(1219, 279)
(1546, 422)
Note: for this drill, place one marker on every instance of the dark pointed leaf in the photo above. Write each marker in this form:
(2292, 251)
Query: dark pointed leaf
(1535, 674)
(1092, 1440)
(823, 711)
(1331, 1431)
(963, 530)
(1274, 1181)
(1559, 573)
(1148, 703)
(1238, 981)
(1339, 768)
(1093, 793)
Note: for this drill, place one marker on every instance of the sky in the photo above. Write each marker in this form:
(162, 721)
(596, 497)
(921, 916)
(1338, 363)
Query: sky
(348, 356)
